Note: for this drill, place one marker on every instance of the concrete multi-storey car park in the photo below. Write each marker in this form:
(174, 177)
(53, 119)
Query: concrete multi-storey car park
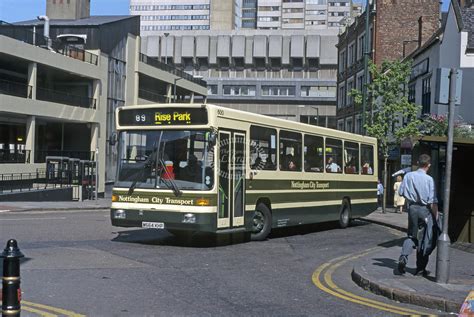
(60, 100)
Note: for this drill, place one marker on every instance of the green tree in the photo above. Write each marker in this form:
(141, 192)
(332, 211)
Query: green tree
(389, 116)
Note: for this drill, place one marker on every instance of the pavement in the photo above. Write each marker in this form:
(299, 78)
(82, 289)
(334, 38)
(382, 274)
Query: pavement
(376, 272)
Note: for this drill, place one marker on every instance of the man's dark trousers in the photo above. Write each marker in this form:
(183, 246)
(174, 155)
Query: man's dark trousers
(417, 215)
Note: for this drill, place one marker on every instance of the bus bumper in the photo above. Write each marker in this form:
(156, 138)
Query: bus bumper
(206, 222)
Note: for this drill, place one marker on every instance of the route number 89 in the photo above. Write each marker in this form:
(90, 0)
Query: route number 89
(140, 118)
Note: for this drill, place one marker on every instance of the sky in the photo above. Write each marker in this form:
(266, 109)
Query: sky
(21, 10)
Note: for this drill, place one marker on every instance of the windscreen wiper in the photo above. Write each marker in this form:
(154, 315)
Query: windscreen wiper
(172, 184)
(148, 162)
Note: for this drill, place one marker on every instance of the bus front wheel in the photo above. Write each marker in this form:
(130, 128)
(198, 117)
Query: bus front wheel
(261, 223)
(344, 215)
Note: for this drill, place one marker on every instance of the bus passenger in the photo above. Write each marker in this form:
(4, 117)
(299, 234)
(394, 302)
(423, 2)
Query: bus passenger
(332, 167)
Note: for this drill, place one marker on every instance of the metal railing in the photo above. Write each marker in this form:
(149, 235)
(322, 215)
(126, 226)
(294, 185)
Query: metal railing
(21, 33)
(12, 156)
(65, 98)
(14, 89)
(151, 96)
(40, 156)
(154, 62)
(23, 182)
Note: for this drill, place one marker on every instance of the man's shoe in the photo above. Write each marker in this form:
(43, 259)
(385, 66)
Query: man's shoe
(421, 272)
(402, 262)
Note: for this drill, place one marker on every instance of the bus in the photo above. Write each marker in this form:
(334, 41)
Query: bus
(205, 168)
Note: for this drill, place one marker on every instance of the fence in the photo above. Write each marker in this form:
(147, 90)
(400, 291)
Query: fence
(12, 156)
(154, 62)
(65, 98)
(21, 33)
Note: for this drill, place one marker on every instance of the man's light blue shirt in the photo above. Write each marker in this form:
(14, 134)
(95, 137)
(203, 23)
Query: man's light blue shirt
(418, 187)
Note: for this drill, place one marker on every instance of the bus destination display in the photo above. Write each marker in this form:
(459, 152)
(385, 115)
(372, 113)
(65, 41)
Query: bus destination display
(162, 116)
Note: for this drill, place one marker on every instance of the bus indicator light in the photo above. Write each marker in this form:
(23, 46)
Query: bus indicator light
(202, 202)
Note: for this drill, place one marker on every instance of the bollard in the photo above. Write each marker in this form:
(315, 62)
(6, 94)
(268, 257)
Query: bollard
(11, 279)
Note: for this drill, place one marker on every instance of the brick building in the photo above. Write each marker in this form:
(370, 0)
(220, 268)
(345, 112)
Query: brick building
(396, 28)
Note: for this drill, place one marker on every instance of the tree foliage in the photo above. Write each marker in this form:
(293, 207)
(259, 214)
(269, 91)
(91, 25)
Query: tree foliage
(389, 116)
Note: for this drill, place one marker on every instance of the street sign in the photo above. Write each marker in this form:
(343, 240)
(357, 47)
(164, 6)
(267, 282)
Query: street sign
(442, 86)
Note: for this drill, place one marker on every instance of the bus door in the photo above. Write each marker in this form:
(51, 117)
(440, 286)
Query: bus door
(231, 179)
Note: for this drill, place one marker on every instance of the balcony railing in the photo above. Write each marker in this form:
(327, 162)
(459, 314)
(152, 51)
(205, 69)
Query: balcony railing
(14, 89)
(151, 96)
(40, 156)
(154, 62)
(12, 156)
(23, 34)
(65, 98)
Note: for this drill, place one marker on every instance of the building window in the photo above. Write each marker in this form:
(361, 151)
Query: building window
(318, 91)
(212, 89)
(340, 124)
(350, 99)
(412, 92)
(341, 99)
(239, 90)
(349, 124)
(426, 95)
(278, 91)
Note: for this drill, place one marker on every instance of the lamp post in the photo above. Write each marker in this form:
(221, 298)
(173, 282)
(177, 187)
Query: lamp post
(166, 47)
(174, 88)
(366, 52)
(317, 114)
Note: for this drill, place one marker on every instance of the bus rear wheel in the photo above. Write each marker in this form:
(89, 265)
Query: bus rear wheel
(261, 223)
(345, 215)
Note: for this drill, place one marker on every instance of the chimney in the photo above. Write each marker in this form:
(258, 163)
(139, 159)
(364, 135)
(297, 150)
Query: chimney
(466, 3)
(427, 26)
(68, 9)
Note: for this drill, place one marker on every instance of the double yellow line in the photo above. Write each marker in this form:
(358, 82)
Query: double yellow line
(47, 311)
(322, 278)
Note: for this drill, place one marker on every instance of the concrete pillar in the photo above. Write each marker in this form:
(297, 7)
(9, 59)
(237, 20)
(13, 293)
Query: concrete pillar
(96, 93)
(191, 99)
(30, 144)
(94, 136)
(32, 79)
(169, 93)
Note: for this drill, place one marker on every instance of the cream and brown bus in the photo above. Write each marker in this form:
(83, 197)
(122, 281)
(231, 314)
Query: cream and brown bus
(204, 168)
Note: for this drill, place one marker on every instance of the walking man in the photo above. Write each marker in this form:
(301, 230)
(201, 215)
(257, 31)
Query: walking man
(418, 189)
(380, 195)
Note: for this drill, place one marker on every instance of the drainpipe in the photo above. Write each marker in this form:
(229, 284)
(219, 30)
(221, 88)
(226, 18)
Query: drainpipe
(46, 29)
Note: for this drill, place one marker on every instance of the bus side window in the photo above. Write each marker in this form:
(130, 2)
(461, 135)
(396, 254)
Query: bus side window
(351, 158)
(262, 148)
(333, 156)
(313, 154)
(290, 151)
(367, 159)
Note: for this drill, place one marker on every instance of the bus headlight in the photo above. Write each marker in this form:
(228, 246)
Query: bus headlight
(189, 218)
(119, 214)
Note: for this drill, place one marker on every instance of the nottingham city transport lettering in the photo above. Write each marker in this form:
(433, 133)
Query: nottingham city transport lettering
(309, 185)
(155, 200)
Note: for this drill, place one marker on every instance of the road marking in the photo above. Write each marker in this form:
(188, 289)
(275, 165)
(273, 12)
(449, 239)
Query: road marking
(53, 309)
(37, 311)
(4, 210)
(45, 218)
(329, 268)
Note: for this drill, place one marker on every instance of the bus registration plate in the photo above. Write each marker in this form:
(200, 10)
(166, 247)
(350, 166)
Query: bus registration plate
(153, 225)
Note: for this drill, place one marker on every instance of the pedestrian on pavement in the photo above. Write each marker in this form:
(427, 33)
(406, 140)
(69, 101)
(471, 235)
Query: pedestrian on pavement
(399, 201)
(379, 194)
(418, 189)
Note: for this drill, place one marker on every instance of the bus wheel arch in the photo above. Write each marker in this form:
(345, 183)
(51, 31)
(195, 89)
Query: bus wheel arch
(262, 220)
(345, 213)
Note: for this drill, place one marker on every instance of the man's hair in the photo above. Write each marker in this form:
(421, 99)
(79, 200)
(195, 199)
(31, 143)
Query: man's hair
(424, 160)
